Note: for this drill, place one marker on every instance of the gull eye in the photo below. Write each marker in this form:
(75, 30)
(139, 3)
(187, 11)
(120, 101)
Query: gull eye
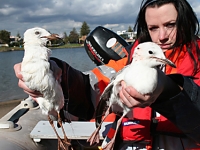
(150, 52)
(37, 32)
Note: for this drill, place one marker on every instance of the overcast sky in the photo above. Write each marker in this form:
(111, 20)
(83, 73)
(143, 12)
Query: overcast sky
(60, 16)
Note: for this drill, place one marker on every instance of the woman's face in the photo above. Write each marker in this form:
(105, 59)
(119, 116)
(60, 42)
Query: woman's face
(161, 24)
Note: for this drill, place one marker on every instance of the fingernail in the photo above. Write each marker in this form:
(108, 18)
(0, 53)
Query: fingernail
(128, 90)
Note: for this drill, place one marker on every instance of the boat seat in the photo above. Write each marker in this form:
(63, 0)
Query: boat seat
(79, 130)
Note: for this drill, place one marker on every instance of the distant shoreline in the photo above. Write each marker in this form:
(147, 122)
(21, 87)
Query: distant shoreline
(7, 49)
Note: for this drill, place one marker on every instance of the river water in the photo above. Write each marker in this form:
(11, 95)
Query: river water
(9, 90)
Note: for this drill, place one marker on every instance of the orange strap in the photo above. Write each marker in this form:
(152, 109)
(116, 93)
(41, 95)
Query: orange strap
(103, 80)
(109, 118)
(117, 65)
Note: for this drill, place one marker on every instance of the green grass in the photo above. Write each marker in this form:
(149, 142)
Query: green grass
(4, 49)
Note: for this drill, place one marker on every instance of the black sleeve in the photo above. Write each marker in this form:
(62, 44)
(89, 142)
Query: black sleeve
(183, 109)
(76, 90)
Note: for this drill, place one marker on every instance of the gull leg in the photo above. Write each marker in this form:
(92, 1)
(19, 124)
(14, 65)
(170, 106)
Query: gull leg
(66, 140)
(60, 143)
(110, 145)
(95, 137)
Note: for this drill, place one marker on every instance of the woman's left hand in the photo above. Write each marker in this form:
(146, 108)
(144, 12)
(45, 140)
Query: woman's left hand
(132, 98)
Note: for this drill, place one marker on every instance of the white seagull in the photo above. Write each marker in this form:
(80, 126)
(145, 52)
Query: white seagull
(35, 69)
(142, 74)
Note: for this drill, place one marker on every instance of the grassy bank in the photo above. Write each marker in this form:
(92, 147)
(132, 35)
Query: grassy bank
(5, 49)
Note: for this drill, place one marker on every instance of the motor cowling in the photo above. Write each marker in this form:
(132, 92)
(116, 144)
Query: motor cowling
(103, 45)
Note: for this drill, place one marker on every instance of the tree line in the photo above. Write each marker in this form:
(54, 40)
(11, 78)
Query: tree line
(73, 36)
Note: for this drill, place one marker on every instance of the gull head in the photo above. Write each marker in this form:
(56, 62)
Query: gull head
(39, 36)
(150, 54)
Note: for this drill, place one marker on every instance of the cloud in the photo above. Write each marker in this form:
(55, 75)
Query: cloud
(196, 7)
(60, 16)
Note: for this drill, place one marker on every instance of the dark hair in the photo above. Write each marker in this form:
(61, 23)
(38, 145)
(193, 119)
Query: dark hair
(186, 23)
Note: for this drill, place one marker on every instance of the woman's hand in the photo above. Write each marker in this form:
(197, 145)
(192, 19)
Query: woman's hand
(34, 94)
(131, 98)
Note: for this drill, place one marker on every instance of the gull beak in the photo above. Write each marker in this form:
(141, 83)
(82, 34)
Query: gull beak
(52, 37)
(166, 61)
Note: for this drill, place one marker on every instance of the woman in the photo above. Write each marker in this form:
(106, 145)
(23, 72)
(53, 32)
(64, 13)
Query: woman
(173, 26)
(176, 33)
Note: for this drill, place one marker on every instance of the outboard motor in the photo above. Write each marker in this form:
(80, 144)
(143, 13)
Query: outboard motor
(103, 44)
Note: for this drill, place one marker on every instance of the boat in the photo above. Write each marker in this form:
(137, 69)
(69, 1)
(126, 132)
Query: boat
(26, 128)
